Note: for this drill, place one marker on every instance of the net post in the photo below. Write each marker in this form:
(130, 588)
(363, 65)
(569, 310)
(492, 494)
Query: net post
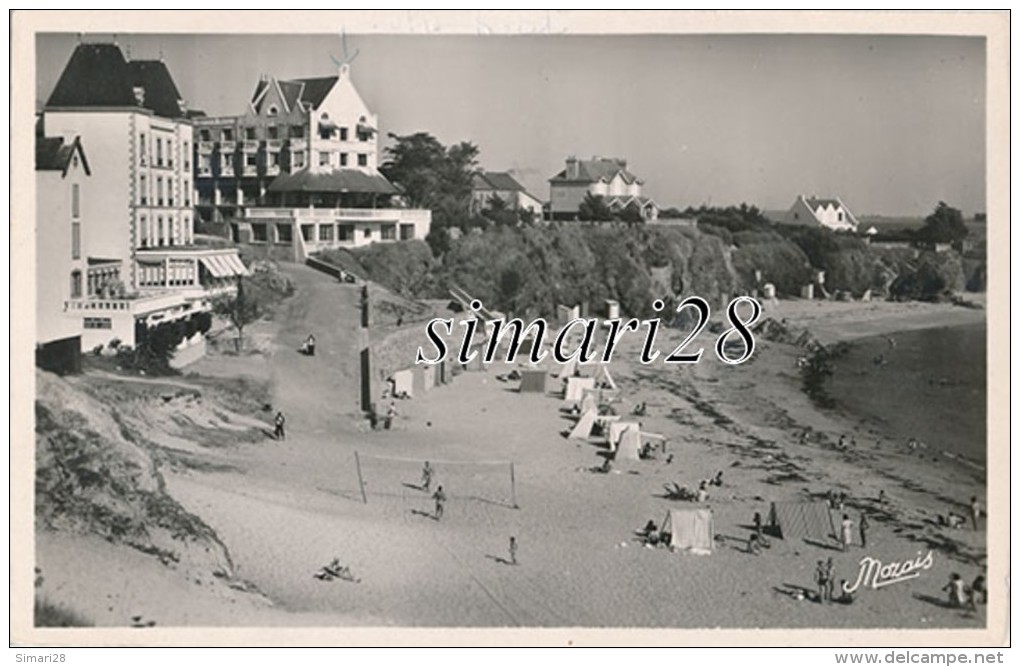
(361, 481)
(513, 487)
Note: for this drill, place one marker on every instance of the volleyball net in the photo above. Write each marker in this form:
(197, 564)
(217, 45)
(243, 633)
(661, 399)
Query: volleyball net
(381, 476)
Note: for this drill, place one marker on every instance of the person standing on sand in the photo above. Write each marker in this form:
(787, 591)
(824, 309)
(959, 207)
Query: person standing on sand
(975, 511)
(956, 590)
(440, 498)
(426, 477)
(822, 579)
(847, 532)
(830, 578)
(864, 530)
(513, 550)
(279, 421)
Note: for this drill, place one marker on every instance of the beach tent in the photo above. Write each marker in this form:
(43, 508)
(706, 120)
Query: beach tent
(630, 444)
(403, 383)
(802, 519)
(584, 425)
(567, 369)
(588, 402)
(690, 530)
(418, 379)
(603, 378)
(429, 374)
(576, 387)
(616, 431)
(533, 381)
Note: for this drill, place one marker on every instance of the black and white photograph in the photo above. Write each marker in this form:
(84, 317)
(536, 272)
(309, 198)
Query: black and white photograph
(572, 322)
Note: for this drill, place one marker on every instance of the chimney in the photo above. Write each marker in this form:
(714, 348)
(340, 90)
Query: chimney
(573, 173)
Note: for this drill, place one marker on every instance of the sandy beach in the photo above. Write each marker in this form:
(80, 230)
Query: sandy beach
(286, 508)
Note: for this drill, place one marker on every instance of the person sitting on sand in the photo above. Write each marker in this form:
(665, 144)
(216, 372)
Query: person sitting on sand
(650, 527)
(754, 544)
(702, 494)
(882, 499)
(956, 590)
(606, 466)
(640, 409)
(717, 480)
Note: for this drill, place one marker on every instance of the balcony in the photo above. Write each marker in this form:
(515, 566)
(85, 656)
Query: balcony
(340, 214)
(299, 144)
(134, 305)
(205, 147)
(250, 146)
(274, 145)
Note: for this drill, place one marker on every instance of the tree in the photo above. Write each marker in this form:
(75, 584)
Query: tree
(433, 177)
(594, 208)
(498, 210)
(944, 225)
(240, 308)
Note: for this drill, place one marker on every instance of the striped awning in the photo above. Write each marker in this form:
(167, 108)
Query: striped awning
(222, 266)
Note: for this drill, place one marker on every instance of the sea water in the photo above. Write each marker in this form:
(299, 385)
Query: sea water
(929, 384)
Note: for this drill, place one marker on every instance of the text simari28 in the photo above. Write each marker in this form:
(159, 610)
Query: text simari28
(565, 348)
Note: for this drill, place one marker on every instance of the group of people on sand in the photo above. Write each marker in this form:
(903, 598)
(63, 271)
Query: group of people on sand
(966, 597)
(954, 520)
(700, 495)
(825, 579)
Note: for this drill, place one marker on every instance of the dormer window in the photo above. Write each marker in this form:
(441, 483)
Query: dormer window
(139, 95)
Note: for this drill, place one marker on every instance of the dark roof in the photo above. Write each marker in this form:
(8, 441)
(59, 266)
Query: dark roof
(332, 180)
(97, 75)
(291, 93)
(161, 94)
(315, 90)
(496, 180)
(814, 202)
(53, 154)
(597, 169)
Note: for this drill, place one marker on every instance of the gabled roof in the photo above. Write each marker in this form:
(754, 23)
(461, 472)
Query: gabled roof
(332, 180)
(816, 203)
(54, 154)
(495, 180)
(314, 90)
(97, 75)
(597, 169)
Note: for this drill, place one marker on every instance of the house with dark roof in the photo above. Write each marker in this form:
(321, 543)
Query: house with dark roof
(301, 149)
(131, 228)
(485, 185)
(826, 212)
(603, 177)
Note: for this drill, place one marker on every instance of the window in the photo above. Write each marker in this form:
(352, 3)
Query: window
(343, 134)
(143, 150)
(325, 232)
(406, 232)
(323, 159)
(389, 232)
(272, 110)
(187, 156)
(258, 232)
(273, 159)
(284, 233)
(204, 165)
(159, 192)
(297, 160)
(227, 162)
(75, 240)
(159, 152)
(187, 193)
(362, 159)
(346, 232)
(75, 284)
(169, 153)
(203, 135)
(249, 133)
(839, 216)
(343, 159)
(143, 190)
(251, 159)
(169, 192)
(227, 134)
(297, 131)
(272, 132)
(143, 232)
(160, 232)
(75, 201)
(98, 323)
(367, 233)
(796, 216)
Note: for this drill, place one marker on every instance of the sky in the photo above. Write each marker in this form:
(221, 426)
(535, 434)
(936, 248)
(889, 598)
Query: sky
(891, 124)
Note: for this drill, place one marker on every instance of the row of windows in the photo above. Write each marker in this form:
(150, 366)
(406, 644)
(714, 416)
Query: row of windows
(388, 232)
(143, 152)
(143, 192)
(163, 232)
(297, 161)
(251, 133)
(98, 323)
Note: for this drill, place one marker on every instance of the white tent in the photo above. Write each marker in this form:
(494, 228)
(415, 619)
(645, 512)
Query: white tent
(603, 378)
(690, 530)
(584, 425)
(629, 448)
(616, 430)
(403, 383)
(576, 387)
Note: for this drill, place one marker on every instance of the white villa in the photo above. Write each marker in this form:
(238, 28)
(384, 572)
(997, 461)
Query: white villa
(831, 213)
(604, 177)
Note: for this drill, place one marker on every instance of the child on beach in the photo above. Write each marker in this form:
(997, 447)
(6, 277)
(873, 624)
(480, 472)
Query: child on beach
(279, 421)
(847, 532)
(822, 579)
